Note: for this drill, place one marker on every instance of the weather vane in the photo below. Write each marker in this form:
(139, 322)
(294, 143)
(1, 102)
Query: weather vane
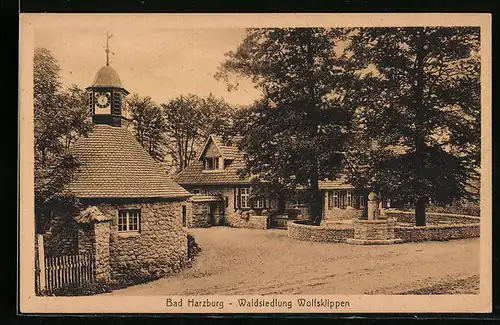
(108, 36)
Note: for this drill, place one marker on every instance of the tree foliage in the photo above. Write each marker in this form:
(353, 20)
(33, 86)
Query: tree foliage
(60, 117)
(293, 136)
(189, 121)
(418, 100)
(149, 125)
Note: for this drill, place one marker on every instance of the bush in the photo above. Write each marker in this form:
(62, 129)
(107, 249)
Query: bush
(457, 207)
(193, 247)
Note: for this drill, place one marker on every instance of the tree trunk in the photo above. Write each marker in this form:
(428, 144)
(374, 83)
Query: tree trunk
(316, 198)
(281, 203)
(420, 211)
(313, 118)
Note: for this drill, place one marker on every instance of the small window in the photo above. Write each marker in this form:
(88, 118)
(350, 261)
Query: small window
(335, 199)
(350, 202)
(226, 201)
(259, 203)
(244, 197)
(211, 163)
(361, 202)
(129, 220)
(196, 191)
(342, 199)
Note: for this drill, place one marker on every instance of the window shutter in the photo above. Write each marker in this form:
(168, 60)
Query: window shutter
(234, 198)
(117, 103)
(91, 102)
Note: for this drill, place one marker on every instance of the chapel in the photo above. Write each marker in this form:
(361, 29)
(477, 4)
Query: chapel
(132, 211)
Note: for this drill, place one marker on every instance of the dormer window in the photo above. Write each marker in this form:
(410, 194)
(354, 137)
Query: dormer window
(210, 163)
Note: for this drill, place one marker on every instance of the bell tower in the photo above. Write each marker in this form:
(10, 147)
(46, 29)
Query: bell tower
(107, 95)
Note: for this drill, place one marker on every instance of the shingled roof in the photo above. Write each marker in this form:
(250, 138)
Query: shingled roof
(195, 175)
(115, 165)
(227, 151)
(336, 184)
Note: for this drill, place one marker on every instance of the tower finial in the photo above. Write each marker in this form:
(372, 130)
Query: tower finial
(108, 36)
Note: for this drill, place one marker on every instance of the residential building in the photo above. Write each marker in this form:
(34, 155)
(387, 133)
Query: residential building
(220, 195)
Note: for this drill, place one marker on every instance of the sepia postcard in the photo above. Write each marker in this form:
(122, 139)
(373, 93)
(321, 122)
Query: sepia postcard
(255, 163)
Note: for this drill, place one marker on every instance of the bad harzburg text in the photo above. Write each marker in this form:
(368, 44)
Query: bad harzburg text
(257, 303)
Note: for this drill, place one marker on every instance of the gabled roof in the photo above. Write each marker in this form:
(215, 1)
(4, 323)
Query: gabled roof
(227, 152)
(194, 174)
(113, 164)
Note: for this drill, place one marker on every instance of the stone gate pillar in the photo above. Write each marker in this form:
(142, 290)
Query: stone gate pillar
(102, 266)
(381, 209)
(372, 206)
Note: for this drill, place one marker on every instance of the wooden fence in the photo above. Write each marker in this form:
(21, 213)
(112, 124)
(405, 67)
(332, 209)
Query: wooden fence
(59, 272)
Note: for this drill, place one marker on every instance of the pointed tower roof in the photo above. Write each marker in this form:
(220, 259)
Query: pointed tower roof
(113, 164)
(107, 77)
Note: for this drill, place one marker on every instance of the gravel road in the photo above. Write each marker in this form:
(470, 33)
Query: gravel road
(246, 261)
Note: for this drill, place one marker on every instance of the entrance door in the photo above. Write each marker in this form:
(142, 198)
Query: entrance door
(211, 213)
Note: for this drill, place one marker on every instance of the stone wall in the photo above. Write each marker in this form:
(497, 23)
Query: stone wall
(437, 232)
(158, 248)
(240, 219)
(299, 230)
(374, 229)
(431, 217)
(199, 216)
(341, 214)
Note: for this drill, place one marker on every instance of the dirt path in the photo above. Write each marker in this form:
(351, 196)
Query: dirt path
(245, 261)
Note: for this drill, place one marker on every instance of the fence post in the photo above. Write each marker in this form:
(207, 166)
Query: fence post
(41, 261)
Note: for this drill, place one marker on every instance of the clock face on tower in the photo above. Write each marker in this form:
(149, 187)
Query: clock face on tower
(102, 103)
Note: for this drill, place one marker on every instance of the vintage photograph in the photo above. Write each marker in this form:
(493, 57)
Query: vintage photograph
(257, 163)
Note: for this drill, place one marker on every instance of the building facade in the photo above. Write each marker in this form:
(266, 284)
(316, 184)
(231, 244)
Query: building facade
(342, 201)
(220, 195)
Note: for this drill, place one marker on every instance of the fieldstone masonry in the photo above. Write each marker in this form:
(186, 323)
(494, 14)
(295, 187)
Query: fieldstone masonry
(302, 231)
(159, 247)
(199, 216)
(102, 265)
(246, 219)
(377, 229)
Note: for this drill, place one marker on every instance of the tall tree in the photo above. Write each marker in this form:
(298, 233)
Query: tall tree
(293, 135)
(418, 99)
(189, 121)
(60, 117)
(149, 125)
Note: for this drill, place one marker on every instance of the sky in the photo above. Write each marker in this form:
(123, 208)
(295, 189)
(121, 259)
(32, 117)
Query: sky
(160, 63)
